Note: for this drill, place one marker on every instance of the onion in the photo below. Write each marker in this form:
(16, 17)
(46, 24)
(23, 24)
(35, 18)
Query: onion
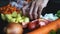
(31, 25)
(43, 22)
(14, 28)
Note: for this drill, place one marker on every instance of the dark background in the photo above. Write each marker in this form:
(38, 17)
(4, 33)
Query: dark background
(52, 7)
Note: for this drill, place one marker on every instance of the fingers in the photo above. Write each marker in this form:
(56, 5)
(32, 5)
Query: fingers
(45, 3)
(31, 10)
(24, 10)
(39, 11)
(42, 6)
(36, 11)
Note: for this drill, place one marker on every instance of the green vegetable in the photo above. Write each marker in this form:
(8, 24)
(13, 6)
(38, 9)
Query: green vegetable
(26, 19)
(13, 20)
(14, 14)
(21, 13)
(52, 32)
(3, 16)
(19, 16)
(18, 19)
(23, 17)
(58, 13)
(8, 16)
(21, 20)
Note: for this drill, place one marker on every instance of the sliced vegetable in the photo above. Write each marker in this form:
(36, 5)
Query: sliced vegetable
(18, 18)
(14, 17)
(3, 16)
(32, 25)
(13, 20)
(8, 17)
(21, 21)
(26, 19)
(43, 22)
(14, 14)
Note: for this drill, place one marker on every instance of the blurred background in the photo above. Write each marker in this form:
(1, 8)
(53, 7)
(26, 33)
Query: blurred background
(52, 7)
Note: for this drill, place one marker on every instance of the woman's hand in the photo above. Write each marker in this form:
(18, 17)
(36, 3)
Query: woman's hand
(34, 9)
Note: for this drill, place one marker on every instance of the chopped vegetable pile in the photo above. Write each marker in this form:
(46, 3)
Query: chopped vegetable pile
(8, 9)
(14, 17)
(11, 14)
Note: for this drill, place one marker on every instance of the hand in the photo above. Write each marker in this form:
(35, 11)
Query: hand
(35, 8)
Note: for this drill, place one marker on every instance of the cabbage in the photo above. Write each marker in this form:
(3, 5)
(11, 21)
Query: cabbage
(21, 20)
(13, 19)
(3, 16)
(26, 19)
(14, 14)
(18, 19)
(8, 16)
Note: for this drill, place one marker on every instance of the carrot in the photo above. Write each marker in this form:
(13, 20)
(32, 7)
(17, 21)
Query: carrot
(58, 22)
(8, 9)
(46, 29)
